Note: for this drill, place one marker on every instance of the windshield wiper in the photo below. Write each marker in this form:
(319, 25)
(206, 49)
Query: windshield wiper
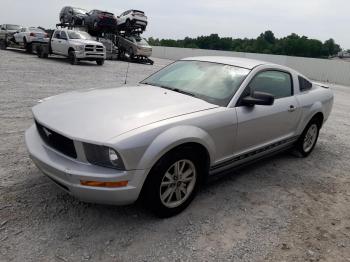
(182, 91)
(172, 89)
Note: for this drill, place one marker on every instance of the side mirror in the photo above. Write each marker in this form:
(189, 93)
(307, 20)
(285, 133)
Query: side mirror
(258, 98)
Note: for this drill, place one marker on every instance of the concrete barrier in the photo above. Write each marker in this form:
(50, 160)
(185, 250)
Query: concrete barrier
(323, 70)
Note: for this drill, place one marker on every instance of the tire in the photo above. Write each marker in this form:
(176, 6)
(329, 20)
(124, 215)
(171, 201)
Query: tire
(131, 53)
(27, 46)
(127, 24)
(39, 52)
(167, 193)
(3, 44)
(73, 22)
(95, 25)
(100, 62)
(72, 58)
(82, 22)
(308, 139)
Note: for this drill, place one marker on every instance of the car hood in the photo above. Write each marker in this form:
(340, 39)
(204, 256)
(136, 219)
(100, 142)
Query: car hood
(98, 115)
(85, 42)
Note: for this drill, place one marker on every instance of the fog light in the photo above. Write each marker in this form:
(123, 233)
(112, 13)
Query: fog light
(104, 184)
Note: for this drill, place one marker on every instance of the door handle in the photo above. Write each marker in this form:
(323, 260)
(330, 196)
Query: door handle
(291, 108)
(60, 41)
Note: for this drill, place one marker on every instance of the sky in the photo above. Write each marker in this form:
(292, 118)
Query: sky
(176, 19)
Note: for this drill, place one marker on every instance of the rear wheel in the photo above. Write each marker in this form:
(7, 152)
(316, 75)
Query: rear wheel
(100, 62)
(131, 53)
(3, 44)
(73, 22)
(173, 182)
(308, 139)
(27, 46)
(72, 58)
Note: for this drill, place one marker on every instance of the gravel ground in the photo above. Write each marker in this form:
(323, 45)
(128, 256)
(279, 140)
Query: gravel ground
(280, 209)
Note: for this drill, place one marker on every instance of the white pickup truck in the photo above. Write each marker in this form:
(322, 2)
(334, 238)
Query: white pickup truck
(75, 45)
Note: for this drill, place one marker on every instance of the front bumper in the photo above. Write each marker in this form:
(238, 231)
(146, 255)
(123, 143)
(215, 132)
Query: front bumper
(68, 172)
(83, 55)
(143, 52)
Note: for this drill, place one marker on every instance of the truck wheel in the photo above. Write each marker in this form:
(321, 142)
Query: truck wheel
(39, 51)
(100, 62)
(72, 58)
(308, 139)
(173, 182)
(73, 22)
(2, 45)
(127, 24)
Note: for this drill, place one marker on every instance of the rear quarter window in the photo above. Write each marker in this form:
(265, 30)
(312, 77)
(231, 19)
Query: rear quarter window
(304, 84)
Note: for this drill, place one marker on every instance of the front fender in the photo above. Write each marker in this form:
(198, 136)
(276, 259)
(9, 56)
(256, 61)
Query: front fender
(172, 138)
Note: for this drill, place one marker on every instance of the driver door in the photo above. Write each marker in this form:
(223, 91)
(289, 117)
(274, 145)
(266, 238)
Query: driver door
(260, 125)
(56, 42)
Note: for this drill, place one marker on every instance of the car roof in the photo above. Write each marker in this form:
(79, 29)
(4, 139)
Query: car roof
(234, 61)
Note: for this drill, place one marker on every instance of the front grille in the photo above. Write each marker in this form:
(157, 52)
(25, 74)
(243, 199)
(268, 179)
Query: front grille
(93, 48)
(99, 48)
(89, 48)
(57, 141)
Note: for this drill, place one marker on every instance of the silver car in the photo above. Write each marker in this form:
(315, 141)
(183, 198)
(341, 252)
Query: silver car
(159, 140)
(135, 46)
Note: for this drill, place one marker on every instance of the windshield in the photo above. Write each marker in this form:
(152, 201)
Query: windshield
(80, 11)
(212, 82)
(79, 35)
(13, 27)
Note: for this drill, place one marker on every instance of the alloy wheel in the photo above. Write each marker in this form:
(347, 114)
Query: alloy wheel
(178, 183)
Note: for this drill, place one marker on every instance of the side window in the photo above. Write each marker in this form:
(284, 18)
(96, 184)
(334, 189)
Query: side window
(304, 84)
(277, 83)
(63, 35)
(57, 35)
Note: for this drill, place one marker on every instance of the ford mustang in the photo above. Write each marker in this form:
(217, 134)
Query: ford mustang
(160, 139)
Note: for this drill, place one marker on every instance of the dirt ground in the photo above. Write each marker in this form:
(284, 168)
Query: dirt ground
(280, 209)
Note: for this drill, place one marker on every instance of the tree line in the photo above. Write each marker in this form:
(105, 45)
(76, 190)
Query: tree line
(266, 43)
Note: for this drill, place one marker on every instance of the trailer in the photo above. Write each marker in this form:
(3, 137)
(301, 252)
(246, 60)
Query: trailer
(6, 40)
(117, 43)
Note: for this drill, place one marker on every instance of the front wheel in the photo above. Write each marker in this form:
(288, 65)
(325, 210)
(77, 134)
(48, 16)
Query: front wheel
(173, 183)
(100, 62)
(72, 58)
(308, 139)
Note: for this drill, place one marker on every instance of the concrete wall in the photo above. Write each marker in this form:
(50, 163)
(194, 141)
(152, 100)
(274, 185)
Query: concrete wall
(322, 70)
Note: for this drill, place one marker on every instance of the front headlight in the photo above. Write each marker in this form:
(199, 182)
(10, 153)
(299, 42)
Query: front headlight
(103, 156)
(80, 48)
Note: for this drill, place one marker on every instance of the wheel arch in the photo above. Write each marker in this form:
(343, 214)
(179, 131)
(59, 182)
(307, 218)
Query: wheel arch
(175, 138)
(315, 111)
